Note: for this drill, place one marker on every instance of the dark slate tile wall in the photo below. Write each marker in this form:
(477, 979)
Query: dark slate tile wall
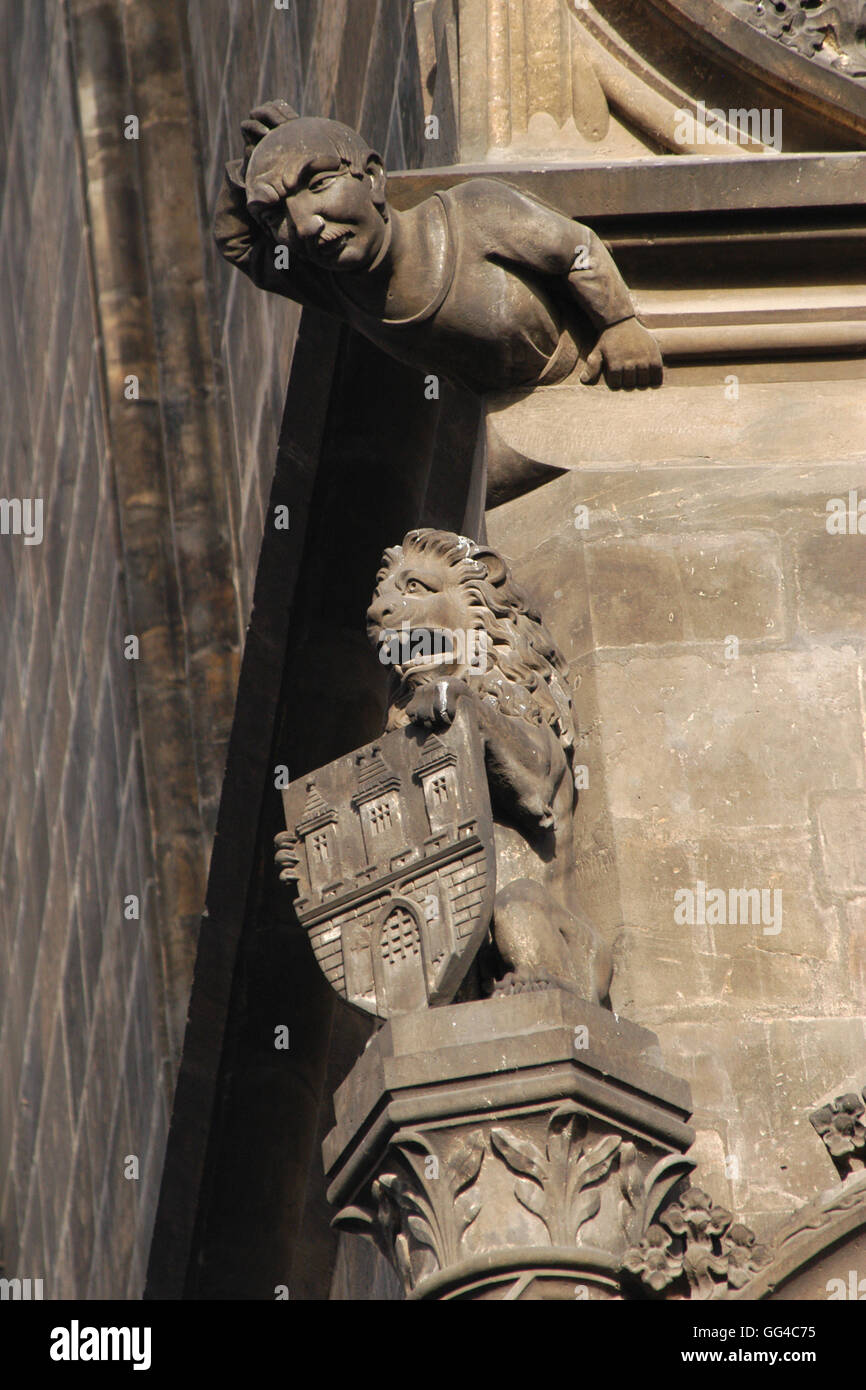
(84, 1081)
(81, 1081)
(354, 60)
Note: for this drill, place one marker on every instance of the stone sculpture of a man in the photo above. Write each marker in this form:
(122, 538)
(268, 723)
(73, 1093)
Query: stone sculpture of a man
(477, 283)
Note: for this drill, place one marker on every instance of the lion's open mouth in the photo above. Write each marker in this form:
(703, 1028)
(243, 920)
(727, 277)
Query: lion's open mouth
(413, 649)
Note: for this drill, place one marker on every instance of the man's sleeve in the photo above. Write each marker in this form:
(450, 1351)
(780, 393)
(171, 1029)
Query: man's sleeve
(518, 229)
(245, 246)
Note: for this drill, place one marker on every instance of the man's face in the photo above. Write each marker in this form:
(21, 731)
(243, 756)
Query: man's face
(329, 216)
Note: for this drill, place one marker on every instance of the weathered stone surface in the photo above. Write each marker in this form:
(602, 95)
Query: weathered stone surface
(740, 772)
(685, 423)
(507, 1148)
(842, 834)
(659, 589)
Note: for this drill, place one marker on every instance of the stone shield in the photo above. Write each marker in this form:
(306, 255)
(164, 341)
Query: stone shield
(396, 867)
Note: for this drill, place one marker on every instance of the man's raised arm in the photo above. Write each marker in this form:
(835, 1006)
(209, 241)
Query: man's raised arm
(241, 239)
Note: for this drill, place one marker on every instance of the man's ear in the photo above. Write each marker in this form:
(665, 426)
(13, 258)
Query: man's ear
(376, 170)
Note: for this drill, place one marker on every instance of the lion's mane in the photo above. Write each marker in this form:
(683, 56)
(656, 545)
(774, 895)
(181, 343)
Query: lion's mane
(526, 675)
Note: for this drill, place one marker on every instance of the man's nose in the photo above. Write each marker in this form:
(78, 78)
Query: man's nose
(306, 224)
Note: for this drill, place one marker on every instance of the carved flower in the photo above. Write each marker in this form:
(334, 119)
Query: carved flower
(841, 1127)
(695, 1217)
(652, 1261)
(744, 1256)
(713, 1255)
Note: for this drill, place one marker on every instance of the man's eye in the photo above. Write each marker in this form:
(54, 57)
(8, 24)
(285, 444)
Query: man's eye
(319, 185)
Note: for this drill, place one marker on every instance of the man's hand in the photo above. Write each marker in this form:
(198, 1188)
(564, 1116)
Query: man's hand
(261, 121)
(630, 356)
(235, 231)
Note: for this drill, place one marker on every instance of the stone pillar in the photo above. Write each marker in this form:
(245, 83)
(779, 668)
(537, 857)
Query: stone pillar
(508, 1148)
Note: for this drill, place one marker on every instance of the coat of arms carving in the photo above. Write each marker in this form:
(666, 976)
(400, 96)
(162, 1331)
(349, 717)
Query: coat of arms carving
(392, 850)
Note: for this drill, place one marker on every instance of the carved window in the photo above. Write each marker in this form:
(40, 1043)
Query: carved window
(380, 817)
(319, 843)
(439, 788)
(400, 936)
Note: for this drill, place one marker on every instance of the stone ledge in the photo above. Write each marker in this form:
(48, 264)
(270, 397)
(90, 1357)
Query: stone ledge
(474, 1058)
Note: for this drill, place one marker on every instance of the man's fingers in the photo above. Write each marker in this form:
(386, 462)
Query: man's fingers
(273, 113)
(263, 119)
(254, 131)
(592, 370)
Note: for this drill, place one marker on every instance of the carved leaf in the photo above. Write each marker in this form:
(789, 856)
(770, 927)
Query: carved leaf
(531, 1197)
(558, 1149)
(465, 1162)
(411, 1139)
(404, 1264)
(466, 1208)
(398, 1189)
(566, 1125)
(661, 1180)
(421, 1231)
(630, 1180)
(521, 1155)
(585, 1209)
(354, 1220)
(596, 1162)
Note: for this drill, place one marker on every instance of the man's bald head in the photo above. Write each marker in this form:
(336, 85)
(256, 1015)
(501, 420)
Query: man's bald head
(297, 148)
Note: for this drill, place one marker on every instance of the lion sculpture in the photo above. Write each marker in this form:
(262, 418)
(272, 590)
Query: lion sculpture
(440, 585)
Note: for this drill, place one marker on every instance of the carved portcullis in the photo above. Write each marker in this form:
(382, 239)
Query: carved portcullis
(508, 1148)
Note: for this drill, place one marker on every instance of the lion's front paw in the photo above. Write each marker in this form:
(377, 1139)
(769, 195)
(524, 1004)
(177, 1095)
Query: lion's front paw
(434, 705)
(287, 856)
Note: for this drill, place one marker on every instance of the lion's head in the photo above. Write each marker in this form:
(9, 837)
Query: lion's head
(445, 606)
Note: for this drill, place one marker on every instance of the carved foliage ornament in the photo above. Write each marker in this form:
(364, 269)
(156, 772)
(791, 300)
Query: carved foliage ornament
(423, 1207)
(842, 1126)
(696, 1251)
(560, 1183)
(833, 34)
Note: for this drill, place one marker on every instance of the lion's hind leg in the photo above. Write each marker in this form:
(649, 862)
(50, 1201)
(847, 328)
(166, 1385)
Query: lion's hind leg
(542, 945)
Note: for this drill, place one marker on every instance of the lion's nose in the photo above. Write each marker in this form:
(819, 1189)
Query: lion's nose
(380, 614)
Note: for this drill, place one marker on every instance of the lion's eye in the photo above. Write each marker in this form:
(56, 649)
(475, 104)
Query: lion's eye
(415, 586)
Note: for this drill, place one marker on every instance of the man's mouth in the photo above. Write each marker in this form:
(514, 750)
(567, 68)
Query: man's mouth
(330, 242)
